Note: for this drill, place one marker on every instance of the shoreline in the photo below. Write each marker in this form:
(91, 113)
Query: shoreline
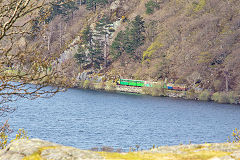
(157, 92)
(27, 149)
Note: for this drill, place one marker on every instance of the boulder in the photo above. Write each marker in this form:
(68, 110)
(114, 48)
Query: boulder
(26, 149)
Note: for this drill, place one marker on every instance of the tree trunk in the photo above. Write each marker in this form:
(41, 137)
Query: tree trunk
(226, 81)
(60, 34)
(105, 50)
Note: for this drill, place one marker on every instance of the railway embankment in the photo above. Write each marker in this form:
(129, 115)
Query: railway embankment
(28, 149)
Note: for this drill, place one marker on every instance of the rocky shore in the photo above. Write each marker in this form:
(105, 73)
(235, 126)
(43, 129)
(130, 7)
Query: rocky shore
(36, 149)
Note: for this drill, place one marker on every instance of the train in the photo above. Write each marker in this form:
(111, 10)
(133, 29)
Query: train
(141, 83)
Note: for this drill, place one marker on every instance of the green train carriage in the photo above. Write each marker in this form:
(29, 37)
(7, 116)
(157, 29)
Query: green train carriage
(129, 82)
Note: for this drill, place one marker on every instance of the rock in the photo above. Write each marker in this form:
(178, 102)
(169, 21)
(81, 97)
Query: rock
(115, 5)
(36, 149)
(39, 149)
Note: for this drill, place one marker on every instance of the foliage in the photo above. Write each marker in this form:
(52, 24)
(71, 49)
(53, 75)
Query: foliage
(3, 140)
(87, 84)
(190, 94)
(151, 6)
(21, 134)
(217, 85)
(205, 58)
(154, 47)
(198, 6)
(156, 90)
(129, 40)
(100, 86)
(110, 86)
(90, 49)
(92, 4)
(34, 71)
(236, 136)
(225, 97)
(204, 96)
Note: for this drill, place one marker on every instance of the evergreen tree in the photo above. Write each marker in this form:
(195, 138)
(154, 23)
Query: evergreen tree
(90, 50)
(92, 4)
(129, 40)
(63, 8)
(103, 33)
(136, 32)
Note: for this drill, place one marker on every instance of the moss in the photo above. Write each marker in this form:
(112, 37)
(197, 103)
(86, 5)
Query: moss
(34, 156)
(37, 155)
(188, 155)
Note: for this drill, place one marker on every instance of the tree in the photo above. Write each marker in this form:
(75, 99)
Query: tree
(26, 69)
(129, 40)
(92, 4)
(90, 49)
(102, 28)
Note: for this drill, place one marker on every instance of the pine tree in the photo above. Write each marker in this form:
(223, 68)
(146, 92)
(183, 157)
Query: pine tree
(102, 31)
(92, 4)
(129, 40)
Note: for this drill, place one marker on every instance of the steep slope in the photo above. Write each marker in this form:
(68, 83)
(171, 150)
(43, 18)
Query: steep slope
(190, 41)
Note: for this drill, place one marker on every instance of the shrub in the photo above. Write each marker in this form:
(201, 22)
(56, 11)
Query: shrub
(181, 81)
(99, 86)
(21, 134)
(225, 97)
(215, 96)
(110, 86)
(151, 6)
(204, 96)
(87, 84)
(191, 94)
(3, 140)
(217, 85)
(158, 91)
(235, 136)
(146, 90)
(154, 91)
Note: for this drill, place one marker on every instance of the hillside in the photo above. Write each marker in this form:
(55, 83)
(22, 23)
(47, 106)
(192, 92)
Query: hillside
(190, 42)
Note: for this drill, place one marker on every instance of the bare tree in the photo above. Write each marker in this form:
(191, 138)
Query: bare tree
(26, 68)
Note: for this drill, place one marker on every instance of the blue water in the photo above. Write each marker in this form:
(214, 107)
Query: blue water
(86, 119)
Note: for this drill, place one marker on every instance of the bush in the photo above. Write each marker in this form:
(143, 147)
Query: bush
(225, 97)
(190, 94)
(87, 84)
(110, 86)
(21, 134)
(154, 91)
(204, 96)
(99, 86)
(3, 140)
(217, 84)
(235, 136)
(151, 6)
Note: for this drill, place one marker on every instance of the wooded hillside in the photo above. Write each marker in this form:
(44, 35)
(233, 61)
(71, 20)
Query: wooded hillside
(192, 42)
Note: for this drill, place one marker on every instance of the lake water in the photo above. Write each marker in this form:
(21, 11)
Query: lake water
(86, 119)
